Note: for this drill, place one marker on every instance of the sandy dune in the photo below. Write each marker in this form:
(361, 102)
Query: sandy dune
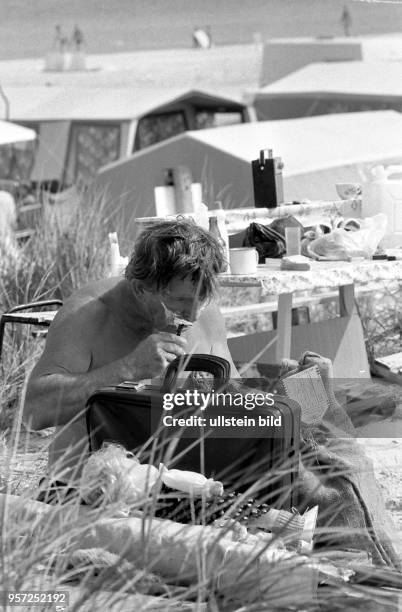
(226, 70)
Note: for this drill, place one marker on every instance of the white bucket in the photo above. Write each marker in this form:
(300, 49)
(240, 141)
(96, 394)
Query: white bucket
(383, 194)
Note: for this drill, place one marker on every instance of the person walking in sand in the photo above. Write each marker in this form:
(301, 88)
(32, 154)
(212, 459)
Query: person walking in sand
(346, 20)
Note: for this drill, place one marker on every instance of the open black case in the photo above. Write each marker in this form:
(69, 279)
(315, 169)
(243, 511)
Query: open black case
(129, 415)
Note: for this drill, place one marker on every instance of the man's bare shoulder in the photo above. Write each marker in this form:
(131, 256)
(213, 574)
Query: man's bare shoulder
(75, 328)
(88, 304)
(212, 321)
(92, 294)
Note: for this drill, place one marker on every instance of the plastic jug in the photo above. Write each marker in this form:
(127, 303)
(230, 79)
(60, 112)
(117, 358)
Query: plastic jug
(383, 194)
(117, 263)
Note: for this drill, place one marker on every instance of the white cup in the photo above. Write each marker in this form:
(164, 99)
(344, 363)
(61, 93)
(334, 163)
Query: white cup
(243, 260)
(292, 238)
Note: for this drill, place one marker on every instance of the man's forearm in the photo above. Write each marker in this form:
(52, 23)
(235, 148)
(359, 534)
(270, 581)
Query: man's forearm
(57, 399)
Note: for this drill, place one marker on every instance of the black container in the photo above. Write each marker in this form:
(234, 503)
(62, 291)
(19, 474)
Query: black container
(267, 180)
(128, 416)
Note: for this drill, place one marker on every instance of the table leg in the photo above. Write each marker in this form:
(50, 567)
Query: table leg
(346, 300)
(284, 327)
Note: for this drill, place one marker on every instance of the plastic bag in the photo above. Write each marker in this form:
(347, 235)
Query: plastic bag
(269, 240)
(341, 244)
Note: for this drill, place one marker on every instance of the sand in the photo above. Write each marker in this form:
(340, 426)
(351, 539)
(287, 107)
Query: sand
(228, 70)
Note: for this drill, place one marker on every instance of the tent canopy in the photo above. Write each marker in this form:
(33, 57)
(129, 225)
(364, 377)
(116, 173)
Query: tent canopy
(60, 113)
(312, 143)
(329, 87)
(103, 104)
(352, 78)
(284, 56)
(11, 133)
(317, 153)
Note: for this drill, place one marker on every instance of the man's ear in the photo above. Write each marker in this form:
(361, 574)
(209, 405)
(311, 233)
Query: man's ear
(140, 287)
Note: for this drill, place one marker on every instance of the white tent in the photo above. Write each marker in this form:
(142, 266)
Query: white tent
(93, 125)
(80, 103)
(317, 153)
(284, 56)
(329, 87)
(11, 133)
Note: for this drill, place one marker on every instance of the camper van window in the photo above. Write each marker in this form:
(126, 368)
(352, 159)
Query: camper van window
(205, 118)
(91, 146)
(155, 128)
(16, 160)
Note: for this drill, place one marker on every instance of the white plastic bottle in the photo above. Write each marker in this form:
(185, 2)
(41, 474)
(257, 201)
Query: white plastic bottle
(383, 194)
(201, 216)
(117, 263)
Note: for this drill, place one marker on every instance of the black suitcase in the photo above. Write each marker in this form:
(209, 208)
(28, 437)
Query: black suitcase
(129, 415)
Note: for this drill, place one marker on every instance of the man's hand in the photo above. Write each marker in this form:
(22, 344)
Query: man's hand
(153, 355)
(325, 367)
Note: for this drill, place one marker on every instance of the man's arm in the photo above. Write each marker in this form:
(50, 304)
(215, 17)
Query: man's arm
(62, 381)
(58, 398)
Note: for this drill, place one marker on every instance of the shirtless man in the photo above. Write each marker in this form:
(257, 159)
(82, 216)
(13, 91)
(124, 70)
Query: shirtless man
(125, 329)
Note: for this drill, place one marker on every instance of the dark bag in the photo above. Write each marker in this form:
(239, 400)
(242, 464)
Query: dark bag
(269, 240)
(129, 416)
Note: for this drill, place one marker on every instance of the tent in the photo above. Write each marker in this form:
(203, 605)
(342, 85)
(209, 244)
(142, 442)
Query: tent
(317, 153)
(83, 128)
(11, 133)
(283, 56)
(330, 87)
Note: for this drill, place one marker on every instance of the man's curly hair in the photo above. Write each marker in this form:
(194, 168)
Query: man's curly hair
(176, 249)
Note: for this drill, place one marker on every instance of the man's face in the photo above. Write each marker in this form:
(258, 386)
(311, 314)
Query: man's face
(181, 298)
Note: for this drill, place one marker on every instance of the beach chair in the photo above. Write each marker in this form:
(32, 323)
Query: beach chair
(31, 313)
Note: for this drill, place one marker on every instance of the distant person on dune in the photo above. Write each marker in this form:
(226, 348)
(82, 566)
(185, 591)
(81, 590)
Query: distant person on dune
(77, 39)
(60, 42)
(346, 20)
